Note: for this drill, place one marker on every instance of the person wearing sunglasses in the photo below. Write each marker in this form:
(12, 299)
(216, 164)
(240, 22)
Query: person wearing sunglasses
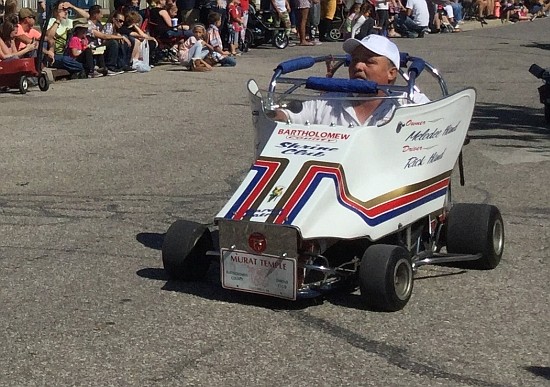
(118, 52)
(8, 51)
(26, 34)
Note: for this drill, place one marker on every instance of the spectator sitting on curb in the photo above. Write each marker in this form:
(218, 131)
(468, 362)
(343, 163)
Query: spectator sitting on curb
(161, 22)
(364, 24)
(192, 51)
(59, 27)
(100, 40)
(79, 49)
(414, 20)
(133, 20)
(219, 55)
(26, 34)
(118, 52)
(8, 50)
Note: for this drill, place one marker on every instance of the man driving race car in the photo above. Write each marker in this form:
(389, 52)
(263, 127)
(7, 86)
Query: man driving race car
(374, 58)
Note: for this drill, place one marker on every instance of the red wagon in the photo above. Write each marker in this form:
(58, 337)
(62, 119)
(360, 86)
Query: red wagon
(14, 74)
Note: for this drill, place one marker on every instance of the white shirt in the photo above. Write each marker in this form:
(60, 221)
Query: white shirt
(280, 5)
(341, 111)
(356, 25)
(382, 4)
(420, 13)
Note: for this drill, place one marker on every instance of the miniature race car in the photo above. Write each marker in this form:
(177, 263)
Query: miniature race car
(328, 206)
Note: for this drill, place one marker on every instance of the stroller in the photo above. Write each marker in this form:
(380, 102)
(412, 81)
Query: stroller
(261, 30)
(337, 25)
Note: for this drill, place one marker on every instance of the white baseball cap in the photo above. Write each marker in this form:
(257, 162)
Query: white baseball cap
(377, 44)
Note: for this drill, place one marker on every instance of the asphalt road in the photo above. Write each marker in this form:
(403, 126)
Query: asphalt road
(94, 172)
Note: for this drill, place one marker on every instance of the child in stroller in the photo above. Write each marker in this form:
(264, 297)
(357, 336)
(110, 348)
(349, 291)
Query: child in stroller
(262, 29)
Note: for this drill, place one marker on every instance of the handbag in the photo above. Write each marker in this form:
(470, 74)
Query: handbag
(144, 52)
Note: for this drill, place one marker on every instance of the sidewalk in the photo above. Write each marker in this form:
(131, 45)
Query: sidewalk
(470, 25)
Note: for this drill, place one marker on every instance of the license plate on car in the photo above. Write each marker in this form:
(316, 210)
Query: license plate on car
(262, 274)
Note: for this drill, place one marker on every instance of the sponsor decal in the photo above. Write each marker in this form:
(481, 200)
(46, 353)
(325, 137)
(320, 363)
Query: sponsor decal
(277, 191)
(261, 213)
(312, 135)
(295, 148)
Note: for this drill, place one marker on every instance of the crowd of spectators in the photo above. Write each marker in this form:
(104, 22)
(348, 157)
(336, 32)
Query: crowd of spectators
(202, 35)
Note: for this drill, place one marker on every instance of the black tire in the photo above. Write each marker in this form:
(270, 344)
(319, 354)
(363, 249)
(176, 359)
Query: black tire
(280, 40)
(547, 113)
(184, 251)
(386, 278)
(248, 39)
(43, 82)
(23, 84)
(475, 229)
(335, 34)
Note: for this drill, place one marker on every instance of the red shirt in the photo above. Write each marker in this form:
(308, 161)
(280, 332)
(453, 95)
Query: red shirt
(245, 4)
(77, 43)
(235, 12)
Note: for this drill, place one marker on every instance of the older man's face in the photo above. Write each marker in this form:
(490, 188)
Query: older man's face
(367, 65)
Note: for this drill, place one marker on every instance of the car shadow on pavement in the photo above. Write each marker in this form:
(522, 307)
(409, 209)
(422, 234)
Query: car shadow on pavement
(543, 372)
(210, 288)
(151, 239)
(542, 46)
(352, 299)
(526, 124)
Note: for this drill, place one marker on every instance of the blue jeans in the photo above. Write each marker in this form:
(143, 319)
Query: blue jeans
(67, 63)
(117, 54)
(406, 25)
(457, 10)
(197, 51)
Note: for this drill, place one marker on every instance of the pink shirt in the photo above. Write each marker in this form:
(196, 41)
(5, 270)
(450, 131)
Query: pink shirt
(33, 34)
(78, 44)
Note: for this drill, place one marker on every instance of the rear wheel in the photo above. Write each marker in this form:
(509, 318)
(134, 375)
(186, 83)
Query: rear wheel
(386, 278)
(280, 40)
(43, 82)
(184, 251)
(23, 84)
(335, 34)
(476, 229)
(248, 40)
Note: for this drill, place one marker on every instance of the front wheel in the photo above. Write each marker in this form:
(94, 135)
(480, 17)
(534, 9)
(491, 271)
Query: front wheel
(280, 40)
(386, 278)
(23, 84)
(184, 251)
(476, 229)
